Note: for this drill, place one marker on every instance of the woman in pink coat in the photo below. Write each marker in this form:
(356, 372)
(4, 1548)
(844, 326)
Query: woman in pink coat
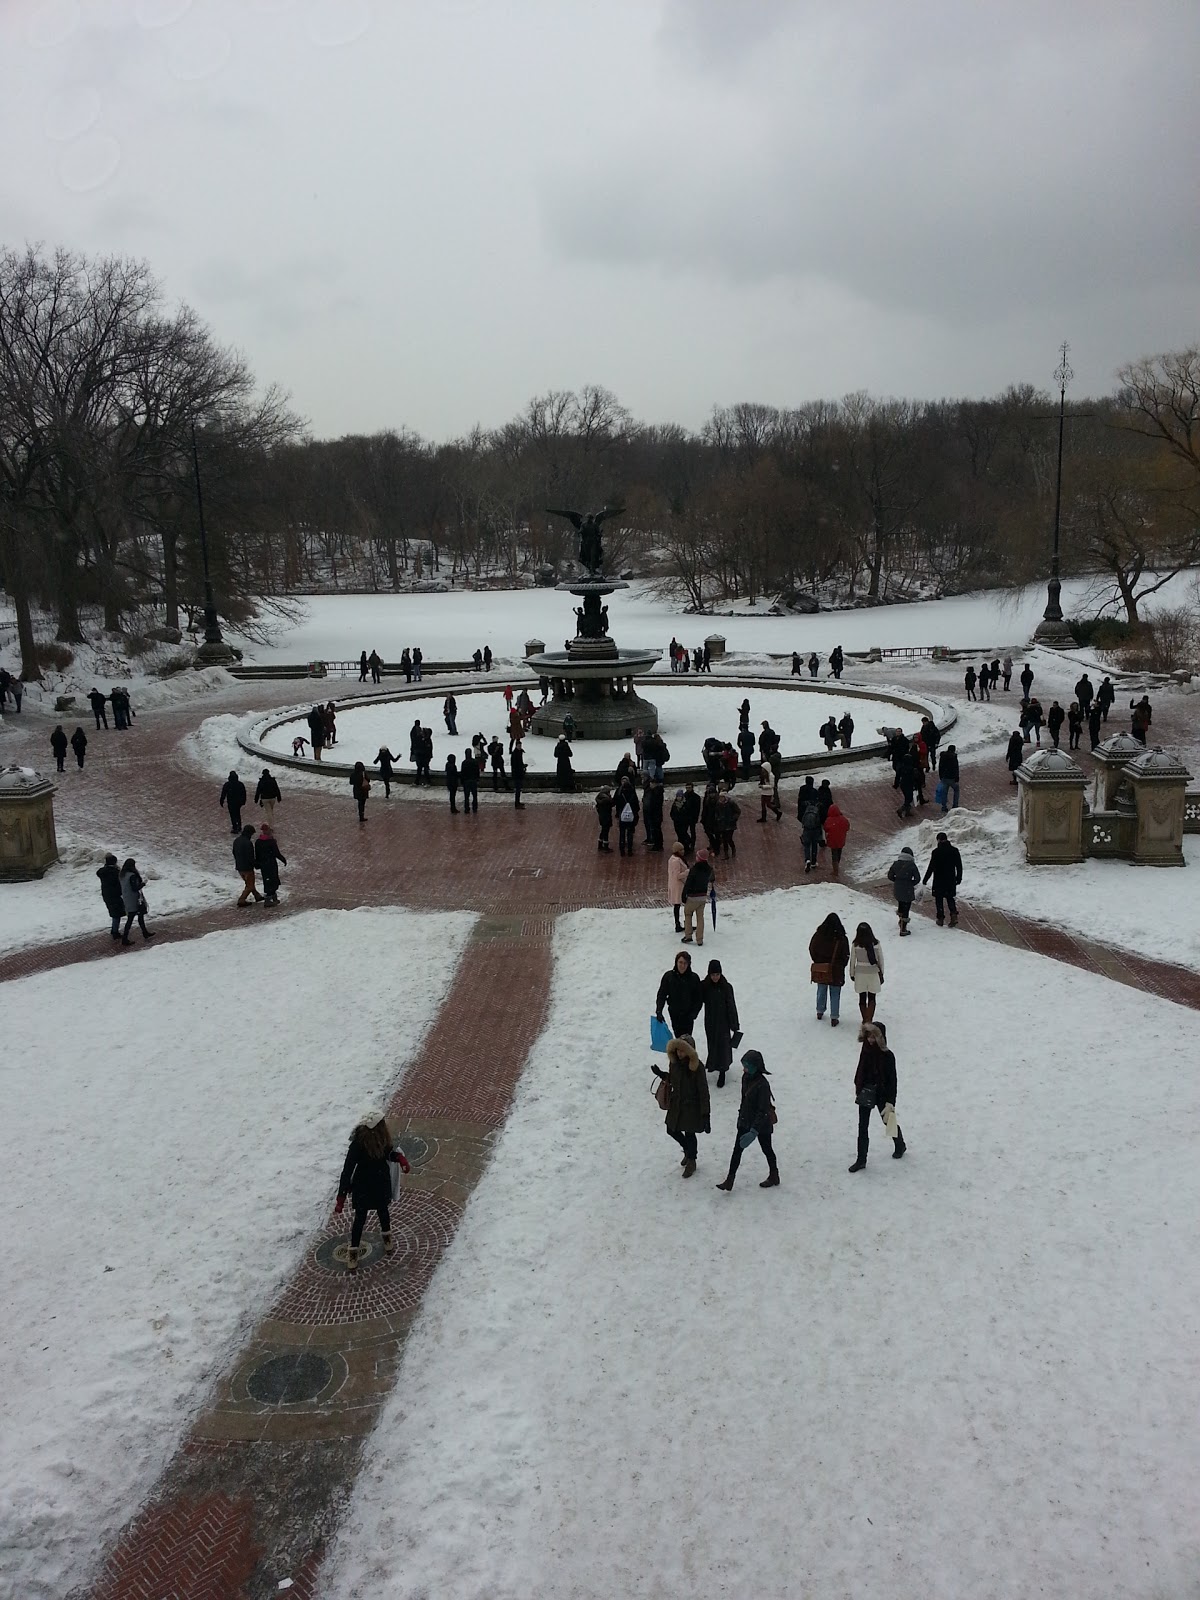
(677, 871)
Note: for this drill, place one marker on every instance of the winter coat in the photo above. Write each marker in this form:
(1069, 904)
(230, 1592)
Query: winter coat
(360, 785)
(366, 1174)
(1055, 718)
(652, 807)
(132, 884)
(720, 1023)
(904, 875)
(728, 812)
(837, 826)
(708, 813)
(385, 761)
(691, 807)
(416, 743)
(1016, 752)
(110, 888)
(948, 766)
(807, 797)
(683, 995)
(755, 1109)
(266, 789)
(1105, 694)
(58, 742)
(834, 948)
(233, 794)
(677, 871)
(604, 809)
(78, 740)
(243, 853)
(688, 1107)
(876, 1067)
(267, 857)
(865, 975)
(563, 754)
(698, 881)
(627, 796)
(96, 701)
(945, 868)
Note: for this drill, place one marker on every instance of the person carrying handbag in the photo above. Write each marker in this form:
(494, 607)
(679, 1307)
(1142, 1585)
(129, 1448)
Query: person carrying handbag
(875, 1089)
(687, 1104)
(829, 950)
(756, 1118)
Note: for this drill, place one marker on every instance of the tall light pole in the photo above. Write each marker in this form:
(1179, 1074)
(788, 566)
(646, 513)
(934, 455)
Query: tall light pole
(1052, 629)
(214, 650)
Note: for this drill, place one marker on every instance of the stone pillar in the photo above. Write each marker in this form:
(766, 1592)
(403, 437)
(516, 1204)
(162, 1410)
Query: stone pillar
(1050, 819)
(1110, 756)
(27, 840)
(715, 645)
(534, 647)
(1159, 781)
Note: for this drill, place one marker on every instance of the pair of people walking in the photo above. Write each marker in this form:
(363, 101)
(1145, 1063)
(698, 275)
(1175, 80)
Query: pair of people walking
(123, 891)
(684, 1087)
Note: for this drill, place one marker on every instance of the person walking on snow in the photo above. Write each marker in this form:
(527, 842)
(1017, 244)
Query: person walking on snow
(1026, 680)
(110, 887)
(266, 794)
(243, 860)
(837, 829)
(875, 1090)
(756, 1115)
(766, 793)
(687, 1098)
(722, 1031)
(452, 781)
(1055, 718)
(1016, 754)
(829, 952)
(58, 744)
(233, 798)
(362, 667)
(904, 875)
(681, 992)
(945, 868)
(96, 701)
(367, 1179)
(1084, 693)
(677, 871)
(450, 714)
(699, 881)
(846, 730)
(969, 682)
(1105, 695)
(267, 858)
(1074, 725)
(866, 969)
(1095, 717)
(79, 745)
(133, 897)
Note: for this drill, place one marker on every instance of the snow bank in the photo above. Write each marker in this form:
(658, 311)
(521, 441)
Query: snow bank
(1153, 911)
(160, 1175)
(960, 1374)
(67, 901)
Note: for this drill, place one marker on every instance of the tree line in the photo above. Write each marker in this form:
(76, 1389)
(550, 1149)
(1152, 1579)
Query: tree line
(110, 398)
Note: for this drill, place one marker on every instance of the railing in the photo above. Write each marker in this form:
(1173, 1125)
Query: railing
(1191, 813)
(340, 669)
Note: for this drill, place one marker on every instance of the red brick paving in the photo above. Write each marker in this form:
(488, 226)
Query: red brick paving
(520, 870)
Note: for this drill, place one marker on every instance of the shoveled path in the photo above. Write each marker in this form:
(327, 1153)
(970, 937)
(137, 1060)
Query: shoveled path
(254, 1493)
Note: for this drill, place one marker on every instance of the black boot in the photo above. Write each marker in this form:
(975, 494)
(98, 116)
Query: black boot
(901, 1147)
(727, 1185)
(861, 1159)
(771, 1181)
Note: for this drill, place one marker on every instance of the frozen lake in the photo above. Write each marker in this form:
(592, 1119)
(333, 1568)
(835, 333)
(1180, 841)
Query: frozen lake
(452, 626)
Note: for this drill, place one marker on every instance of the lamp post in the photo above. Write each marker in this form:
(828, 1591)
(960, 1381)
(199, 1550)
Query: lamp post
(1052, 629)
(214, 650)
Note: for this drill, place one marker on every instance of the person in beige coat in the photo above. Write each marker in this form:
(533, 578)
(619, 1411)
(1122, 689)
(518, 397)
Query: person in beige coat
(677, 871)
(866, 969)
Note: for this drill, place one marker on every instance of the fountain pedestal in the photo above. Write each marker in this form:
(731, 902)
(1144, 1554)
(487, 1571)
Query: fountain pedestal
(591, 679)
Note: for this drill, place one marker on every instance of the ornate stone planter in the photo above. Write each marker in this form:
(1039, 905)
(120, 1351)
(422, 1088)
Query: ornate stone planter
(27, 841)
(1159, 782)
(1051, 807)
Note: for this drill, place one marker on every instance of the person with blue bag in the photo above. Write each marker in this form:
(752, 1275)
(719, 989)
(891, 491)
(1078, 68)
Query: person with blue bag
(682, 993)
(756, 1117)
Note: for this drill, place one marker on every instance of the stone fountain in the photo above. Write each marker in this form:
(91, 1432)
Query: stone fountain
(591, 679)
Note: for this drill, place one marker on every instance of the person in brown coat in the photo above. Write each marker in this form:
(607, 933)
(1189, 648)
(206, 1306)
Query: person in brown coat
(829, 950)
(687, 1106)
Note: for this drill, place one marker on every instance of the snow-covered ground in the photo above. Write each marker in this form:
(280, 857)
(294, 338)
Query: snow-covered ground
(963, 1374)
(451, 626)
(1148, 910)
(165, 1150)
(687, 716)
(67, 900)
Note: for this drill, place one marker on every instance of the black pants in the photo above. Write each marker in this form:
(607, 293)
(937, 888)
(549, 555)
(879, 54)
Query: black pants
(235, 819)
(361, 802)
(360, 1222)
(625, 837)
(141, 922)
(470, 797)
(61, 763)
(101, 716)
(270, 883)
(516, 789)
(864, 1125)
(453, 798)
(387, 783)
(940, 895)
(686, 1142)
(764, 1139)
(116, 922)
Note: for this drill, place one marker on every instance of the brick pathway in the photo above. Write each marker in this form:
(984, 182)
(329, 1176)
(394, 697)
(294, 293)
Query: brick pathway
(255, 1492)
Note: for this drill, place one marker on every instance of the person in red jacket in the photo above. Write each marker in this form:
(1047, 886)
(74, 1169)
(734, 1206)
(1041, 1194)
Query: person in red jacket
(837, 826)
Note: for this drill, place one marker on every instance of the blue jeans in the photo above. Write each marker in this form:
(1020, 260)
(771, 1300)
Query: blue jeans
(951, 796)
(832, 991)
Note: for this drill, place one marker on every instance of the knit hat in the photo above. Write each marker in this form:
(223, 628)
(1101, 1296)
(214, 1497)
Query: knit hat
(714, 966)
(906, 851)
(371, 1118)
(701, 855)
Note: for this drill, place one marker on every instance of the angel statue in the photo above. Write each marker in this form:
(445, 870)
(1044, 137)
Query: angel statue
(588, 526)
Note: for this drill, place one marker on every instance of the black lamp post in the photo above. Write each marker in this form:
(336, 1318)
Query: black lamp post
(212, 627)
(1052, 629)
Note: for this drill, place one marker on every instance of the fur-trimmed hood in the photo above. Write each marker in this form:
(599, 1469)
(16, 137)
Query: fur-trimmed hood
(872, 1033)
(683, 1049)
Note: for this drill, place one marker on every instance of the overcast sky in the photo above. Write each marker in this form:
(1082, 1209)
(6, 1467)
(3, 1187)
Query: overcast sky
(422, 212)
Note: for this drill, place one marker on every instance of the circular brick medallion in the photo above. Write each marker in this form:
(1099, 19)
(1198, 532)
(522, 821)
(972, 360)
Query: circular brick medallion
(289, 1380)
(416, 1149)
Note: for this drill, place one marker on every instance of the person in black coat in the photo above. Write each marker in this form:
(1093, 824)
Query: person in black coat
(416, 748)
(1055, 718)
(452, 781)
(386, 761)
(243, 860)
(746, 742)
(565, 773)
(1016, 754)
(468, 771)
(267, 857)
(58, 744)
(79, 745)
(233, 798)
(495, 752)
(682, 993)
(875, 1089)
(1074, 725)
(652, 814)
(846, 730)
(266, 793)
(604, 817)
(1094, 719)
(516, 763)
(110, 887)
(96, 701)
(754, 1121)
(696, 889)
(687, 1102)
(945, 868)
(628, 809)
(722, 1031)
(367, 1179)
(829, 732)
